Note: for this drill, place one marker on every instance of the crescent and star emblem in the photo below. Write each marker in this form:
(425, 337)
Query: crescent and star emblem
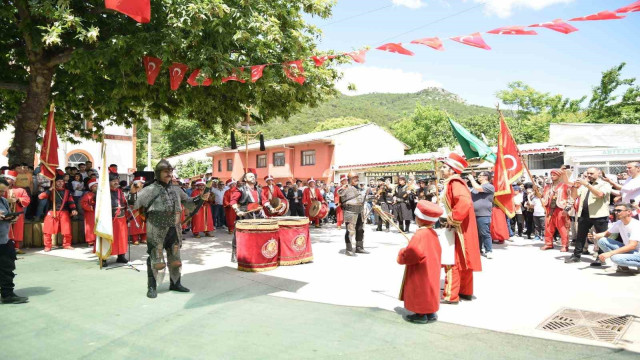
(179, 72)
(513, 161)
(151, 67)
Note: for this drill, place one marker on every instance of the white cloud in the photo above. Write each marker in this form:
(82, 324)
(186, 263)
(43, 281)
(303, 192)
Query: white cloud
(412, 4)
(504, 8)
(369, 79)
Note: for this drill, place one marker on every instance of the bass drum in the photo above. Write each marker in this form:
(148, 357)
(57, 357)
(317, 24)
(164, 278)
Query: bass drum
(318, 210)
(258, 244)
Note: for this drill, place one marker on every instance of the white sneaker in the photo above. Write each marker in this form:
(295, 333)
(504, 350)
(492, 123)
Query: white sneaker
(489, 255)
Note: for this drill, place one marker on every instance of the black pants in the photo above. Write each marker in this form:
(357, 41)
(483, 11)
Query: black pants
(359, 230)
(528, 221)
(584, 224)
(518, 221)
(296, 209)
(7, 266)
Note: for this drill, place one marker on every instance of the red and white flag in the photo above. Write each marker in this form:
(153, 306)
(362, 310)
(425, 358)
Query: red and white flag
(256, 72)
(474, 40)
(234, 76)
(358, 56)
(630, 8)
(152, 68)
(395, 48)
(319, 60)
(602, 15)
(507, 170)
(138, 10)
(434, 43)
(512, 30)
(294, 71)
(193, 79)
(557, 25)
(177, 72)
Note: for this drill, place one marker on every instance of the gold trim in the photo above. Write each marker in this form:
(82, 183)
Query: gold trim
(296, 262)
(241, 268)
(448, 283)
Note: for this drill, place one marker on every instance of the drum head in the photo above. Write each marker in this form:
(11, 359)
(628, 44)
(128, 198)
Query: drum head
(315, 208)
(274, 202)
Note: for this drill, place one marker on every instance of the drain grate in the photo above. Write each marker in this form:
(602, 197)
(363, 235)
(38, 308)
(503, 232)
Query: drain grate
(587, 325)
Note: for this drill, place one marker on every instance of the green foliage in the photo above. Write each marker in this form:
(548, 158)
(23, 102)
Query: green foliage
(529, 101)
(604, 107)
(337, 123)
(192, 167)
(177, 136)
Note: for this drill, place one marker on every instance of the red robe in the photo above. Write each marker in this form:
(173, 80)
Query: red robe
(202, 221)
(557, 218)
(229, 213)
(16, 231)
(141, 229)
(306, 200)
(498, 227)
(120, 229)
(339, 211)
(88, 204)
(421, 284)
(268, 194)
(61, 223)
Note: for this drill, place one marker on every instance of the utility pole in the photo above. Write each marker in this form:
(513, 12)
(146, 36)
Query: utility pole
(148, 168)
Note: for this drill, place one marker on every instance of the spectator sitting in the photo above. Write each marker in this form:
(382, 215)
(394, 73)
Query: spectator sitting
(627, 252)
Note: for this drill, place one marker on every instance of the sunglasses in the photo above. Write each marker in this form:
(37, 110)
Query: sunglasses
(617, 211)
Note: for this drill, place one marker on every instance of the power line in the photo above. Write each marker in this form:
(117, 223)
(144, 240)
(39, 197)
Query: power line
(356, 15)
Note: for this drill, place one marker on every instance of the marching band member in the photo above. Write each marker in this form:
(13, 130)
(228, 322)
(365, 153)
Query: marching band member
(138, 228)
(241, 199)
(402, 198)
(269, 192)
(229, 214)
(339, 211)
(88, 204)
(202, 221)
(555, 198)
(311, 193)
(18, 200)
(118, 213)
(61, 222)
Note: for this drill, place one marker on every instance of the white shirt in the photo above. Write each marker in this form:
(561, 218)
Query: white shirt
(631, 190)
(218, 194)
(538, 210)
(517, 201)
(627, 232)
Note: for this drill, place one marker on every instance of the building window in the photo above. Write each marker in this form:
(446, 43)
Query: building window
(261, 161)
(76, 159)
(278, 159)
(229, 165)
(545, 161)
(308, 157)
(219, 165)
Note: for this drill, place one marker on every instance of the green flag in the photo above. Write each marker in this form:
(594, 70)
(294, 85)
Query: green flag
(472, 146)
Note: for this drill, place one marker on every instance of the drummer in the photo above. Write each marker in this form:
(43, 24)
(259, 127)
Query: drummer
(245, 201)
(312, 193)
(272, 197)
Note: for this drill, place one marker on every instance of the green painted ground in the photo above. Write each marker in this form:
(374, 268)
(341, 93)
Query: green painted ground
(77, 311)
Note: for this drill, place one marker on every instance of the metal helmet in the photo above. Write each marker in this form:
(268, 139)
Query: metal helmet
(162, 165)
(352, 174)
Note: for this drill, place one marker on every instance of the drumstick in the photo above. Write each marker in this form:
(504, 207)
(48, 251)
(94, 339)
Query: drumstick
(384, 217)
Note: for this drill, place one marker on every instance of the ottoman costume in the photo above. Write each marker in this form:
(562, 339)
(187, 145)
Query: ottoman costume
(352, 202)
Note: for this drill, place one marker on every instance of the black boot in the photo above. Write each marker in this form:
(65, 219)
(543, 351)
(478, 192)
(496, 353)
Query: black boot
(406, 225)
(151, 291)
(12, 298)
(360, 248)
(121, 259)
(349, 251)
(234, 258)
(177, 287)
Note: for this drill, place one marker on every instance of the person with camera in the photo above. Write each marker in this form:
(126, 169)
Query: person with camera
(7, 251)
(482, 195)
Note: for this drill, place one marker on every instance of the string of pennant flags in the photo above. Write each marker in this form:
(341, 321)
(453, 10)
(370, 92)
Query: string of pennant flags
(294, 70)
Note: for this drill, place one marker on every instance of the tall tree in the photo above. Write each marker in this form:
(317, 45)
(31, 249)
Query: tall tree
(607, 106)
(88, 60)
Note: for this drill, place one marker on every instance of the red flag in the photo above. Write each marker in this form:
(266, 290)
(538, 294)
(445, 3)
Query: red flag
(395, 48)
(152, 68)
(294, 71)
(138, 10)
(434, 43)
(319, 60)
(512, 30)
(234, 76)
(507, 170)
(192, 80)
(557, 25)
(49, 151)
(256, 72)
(177, 72)
(602, 15)
(630, 8)
(358, 56)
(474, 39)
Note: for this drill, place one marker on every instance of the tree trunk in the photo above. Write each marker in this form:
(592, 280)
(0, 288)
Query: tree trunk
(30, 115)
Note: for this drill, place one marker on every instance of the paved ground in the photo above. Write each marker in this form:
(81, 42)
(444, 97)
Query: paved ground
(334, 307)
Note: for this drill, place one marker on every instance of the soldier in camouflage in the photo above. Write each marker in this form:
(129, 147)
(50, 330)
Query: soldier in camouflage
(162, 202)
(352, 202)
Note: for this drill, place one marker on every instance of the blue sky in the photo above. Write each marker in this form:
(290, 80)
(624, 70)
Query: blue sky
(551, 62)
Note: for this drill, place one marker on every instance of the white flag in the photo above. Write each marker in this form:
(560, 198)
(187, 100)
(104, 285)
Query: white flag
(104, 222)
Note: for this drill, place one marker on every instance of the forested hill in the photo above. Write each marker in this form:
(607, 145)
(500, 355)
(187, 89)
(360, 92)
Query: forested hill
(382, 109)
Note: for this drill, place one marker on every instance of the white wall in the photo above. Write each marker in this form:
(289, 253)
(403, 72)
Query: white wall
(367, 144)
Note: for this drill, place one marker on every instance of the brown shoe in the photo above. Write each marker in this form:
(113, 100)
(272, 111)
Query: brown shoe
(19, 252)
(197, 236)
(207, 234)
(546, 247)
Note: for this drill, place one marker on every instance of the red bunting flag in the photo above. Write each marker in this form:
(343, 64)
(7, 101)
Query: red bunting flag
(630, 8)
(49, 150)
(138, 10)
(193, 79)
(434, 43)
(474, 39)
(234, 76)
(152, 68)
(256, 72)
(512, 30)
(602, 15)
(358, 56)
(557, 25)
(294, 71)
(395, 48)
(177, 72)
(507, 170)
(319, 60)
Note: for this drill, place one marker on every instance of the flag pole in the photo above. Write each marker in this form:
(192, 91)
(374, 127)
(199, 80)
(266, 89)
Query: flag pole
(52, 108)
(100, 252)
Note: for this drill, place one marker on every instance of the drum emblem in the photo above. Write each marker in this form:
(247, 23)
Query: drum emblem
(270, 248)
(299, 243)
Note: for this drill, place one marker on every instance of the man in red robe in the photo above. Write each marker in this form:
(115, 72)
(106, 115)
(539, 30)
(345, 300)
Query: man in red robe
(311, 193)
(60, 221)
(246, 203)
(229, 214)
(339, 211)
(88, 204)
(421, 283)
(555, 198)
(118, 213)
(460, 216)
(138, 227)
(18, 199)
(269, 192)
(202, 221)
